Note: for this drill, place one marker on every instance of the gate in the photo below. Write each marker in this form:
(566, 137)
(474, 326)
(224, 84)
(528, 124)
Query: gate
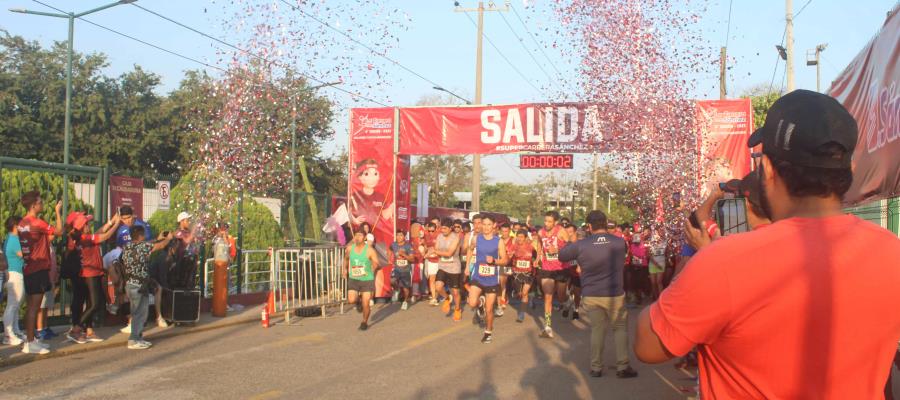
(307, 278)
(80, 188)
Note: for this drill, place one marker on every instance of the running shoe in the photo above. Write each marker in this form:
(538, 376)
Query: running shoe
(433, 302)
(138, 345)
(488, 338)
(146, 342)
(404, 306)
(93, 338)
(126, 329)
(498, 312)
(34, 347)
(445, 306)
(13, 340)
(575, 315)
(76, 338)
(480, 310)
(565, 311)
(547, 333)
(371, 302)
(49, 333)
(521, 317)
(162, 323)
(363, 326)
(359, 306)
(41, 334)
(457, 315)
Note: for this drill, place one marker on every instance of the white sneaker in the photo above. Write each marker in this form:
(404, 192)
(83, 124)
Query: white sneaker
(126, 329)
(162, 323)
(13, 340)
(434, 302)
(138, 345)
(498, 312)
(146, 342)
(371, 303)
(34, 347)
(404, 306)
(43, 344)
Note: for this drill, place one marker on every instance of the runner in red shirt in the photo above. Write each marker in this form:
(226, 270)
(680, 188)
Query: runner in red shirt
(804, 308)
(505, 271)
(87, 289)
(521, 254)
(35, 235)
(554, 274)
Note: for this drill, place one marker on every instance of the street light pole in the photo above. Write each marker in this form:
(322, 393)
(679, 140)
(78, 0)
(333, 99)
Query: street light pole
(476, 158)
(439, 88)
(789, 43)
(69, 46)
(814, 60)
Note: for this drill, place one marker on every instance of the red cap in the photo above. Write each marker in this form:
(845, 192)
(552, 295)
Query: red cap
(78, 220)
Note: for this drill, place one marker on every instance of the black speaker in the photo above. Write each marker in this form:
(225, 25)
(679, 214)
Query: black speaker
(181, 305)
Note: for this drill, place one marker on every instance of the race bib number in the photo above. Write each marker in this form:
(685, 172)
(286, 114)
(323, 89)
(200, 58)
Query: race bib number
(487, 270)
(402, 263)
(636, 260)
(523, 264)
(552, 256)
(357, 271)
(447, 259)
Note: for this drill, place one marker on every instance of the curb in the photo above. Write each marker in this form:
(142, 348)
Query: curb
(25, 359)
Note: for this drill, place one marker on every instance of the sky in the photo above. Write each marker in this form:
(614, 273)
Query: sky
(440, 45)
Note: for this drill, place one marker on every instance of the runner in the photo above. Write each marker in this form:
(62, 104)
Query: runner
(505, 272)
(358, 264)
(522, 262)
(431, 260)
(635, 275)
(401, 252)
(416, 235)
(488, 253)
(449, 273)
(553, 275)
(575, 282)
(469, 243)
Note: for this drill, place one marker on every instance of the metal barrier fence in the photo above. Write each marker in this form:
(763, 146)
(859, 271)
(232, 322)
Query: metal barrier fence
(308, 278)
(255, 266)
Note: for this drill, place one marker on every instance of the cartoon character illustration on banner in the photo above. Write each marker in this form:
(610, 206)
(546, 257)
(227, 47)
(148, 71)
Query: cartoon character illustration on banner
(367, 204)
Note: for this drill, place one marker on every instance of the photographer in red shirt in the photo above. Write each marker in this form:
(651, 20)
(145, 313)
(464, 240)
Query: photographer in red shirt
(790, 311)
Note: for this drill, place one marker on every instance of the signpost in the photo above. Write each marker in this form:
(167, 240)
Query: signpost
(163, 188)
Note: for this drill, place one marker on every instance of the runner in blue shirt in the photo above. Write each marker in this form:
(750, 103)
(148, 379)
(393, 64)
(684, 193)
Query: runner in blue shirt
(487, 255)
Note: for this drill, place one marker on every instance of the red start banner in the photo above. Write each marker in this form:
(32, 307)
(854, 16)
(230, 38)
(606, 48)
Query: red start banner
(870, 89)
(724, 127)
(513, 128)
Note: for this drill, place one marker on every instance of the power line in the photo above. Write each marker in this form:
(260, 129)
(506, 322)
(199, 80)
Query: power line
(491, 42)
(533, 38)
(783, 35)
(522, 42)
(248, 52)
(802, 8)
(367, 47)
(524, 181)
(728, 30)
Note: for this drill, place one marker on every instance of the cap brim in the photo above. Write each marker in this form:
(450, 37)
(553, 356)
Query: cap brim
(756, 138)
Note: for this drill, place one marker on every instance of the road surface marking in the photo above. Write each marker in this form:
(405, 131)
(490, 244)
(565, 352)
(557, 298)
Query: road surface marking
(688, 373)
(272, 394)
(311, 338)
(668, 382)
(422, 341)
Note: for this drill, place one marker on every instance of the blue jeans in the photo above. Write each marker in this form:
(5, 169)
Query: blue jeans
(140, 306)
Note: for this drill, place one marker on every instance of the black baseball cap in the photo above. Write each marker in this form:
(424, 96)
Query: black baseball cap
(799, 123)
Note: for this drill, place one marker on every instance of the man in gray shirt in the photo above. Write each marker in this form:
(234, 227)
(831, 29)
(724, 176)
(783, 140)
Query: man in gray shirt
(601, 257)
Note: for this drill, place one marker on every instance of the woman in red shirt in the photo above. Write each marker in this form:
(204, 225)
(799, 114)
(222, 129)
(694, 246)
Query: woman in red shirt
(87, 288)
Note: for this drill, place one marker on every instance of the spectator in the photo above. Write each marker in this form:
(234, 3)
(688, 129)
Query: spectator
(35, 235)
(87, 287)
(793, 328)
(127, 220)
(186, 235)
(601, 257)
(136, 257)
(15, 284)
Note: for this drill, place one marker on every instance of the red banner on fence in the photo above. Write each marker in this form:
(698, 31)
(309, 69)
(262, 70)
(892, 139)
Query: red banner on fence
(724, 127)
(126, 191)
(870, 90)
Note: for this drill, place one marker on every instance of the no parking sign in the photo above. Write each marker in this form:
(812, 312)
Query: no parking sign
(163, 189)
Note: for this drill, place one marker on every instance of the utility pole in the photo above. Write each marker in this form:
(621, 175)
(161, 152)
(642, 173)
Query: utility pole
(594, 197)
(722, 89)
(813, 58)
(476, 158)
(789, 43)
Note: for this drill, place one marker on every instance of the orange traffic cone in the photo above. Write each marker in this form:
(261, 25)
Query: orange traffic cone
(270, 303)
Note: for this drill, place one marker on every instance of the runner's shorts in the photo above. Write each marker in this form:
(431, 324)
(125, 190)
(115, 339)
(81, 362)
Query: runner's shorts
(562, 275)
(402, 276)
(487, 289)
(452, 281)
(361, 286)
(38, 282)
(521, 279)
(431, 268)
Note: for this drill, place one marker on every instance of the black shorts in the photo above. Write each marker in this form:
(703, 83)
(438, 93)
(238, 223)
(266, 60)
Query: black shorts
(402, 277)
(361, 286)
(562, 275)
(452, 281)
(488, 289)
(519, 280)
(38, 282)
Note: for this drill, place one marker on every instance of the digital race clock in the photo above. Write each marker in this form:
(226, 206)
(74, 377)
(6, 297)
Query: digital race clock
(546, 161)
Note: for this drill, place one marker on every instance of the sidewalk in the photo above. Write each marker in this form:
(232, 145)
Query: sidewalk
(60, 347)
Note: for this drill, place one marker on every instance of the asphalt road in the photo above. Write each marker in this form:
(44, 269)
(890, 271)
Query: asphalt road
(413, 354)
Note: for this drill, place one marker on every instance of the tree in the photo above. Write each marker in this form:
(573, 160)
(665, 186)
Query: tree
(15, 183)
(761, 97)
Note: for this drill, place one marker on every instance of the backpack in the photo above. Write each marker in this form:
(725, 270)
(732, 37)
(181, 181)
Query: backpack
(118, 278)
(71, 264)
